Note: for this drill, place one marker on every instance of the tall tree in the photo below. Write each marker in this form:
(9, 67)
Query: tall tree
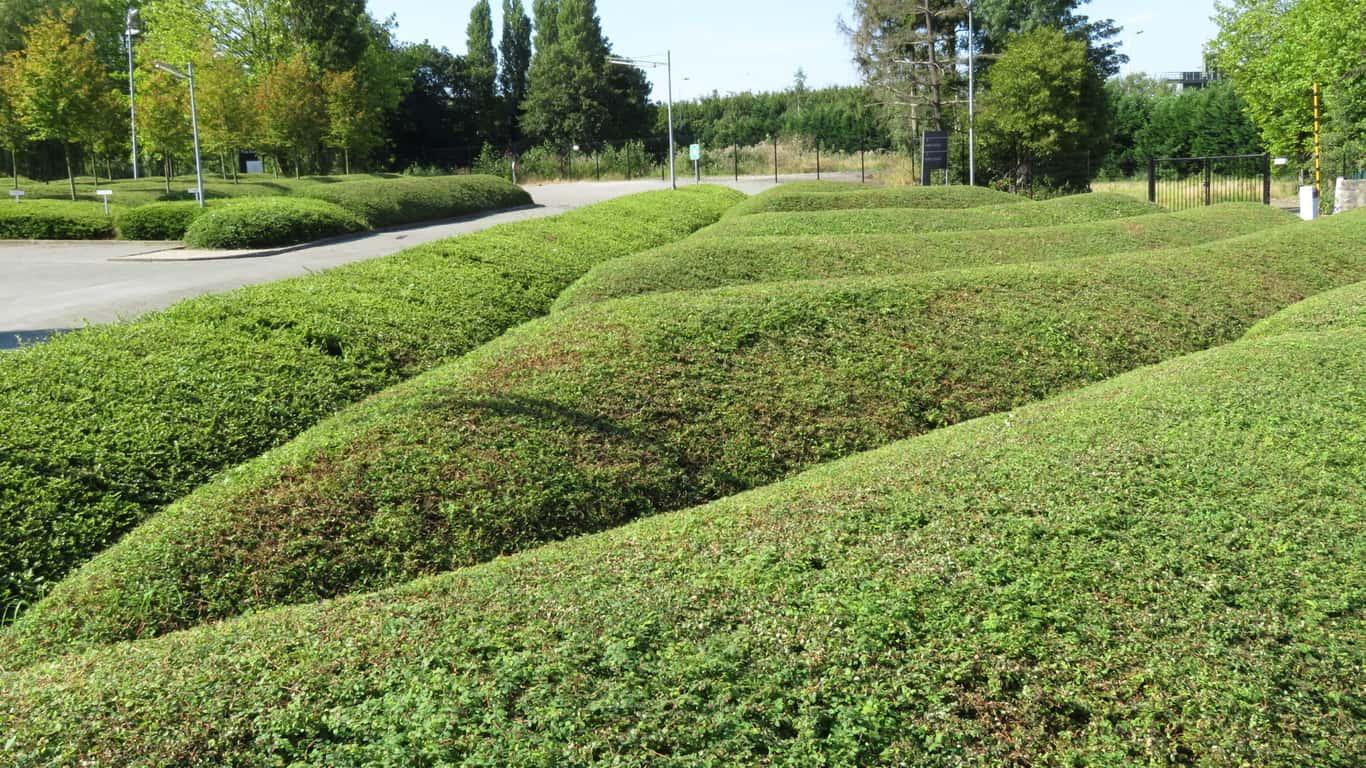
(227, 109)
(58, 84)
(350, 122)
(908, 51)
(999, 19)
(515, 58)
(568, 94)
(13, 134)
(290, 102)
(333, 31)
(547, 13)
(481, 62)
(163, 118)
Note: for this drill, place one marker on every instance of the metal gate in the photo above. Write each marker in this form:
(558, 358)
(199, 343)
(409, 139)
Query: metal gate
(1176, 183)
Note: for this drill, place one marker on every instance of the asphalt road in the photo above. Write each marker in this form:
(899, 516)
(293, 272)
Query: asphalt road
(50, 286)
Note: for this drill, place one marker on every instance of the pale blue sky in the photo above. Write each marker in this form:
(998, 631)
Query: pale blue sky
(738, 45)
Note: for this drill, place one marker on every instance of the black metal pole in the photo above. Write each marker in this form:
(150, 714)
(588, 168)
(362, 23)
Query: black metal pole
(862, 167)
(737, 162)
(775, 159)
(1266, 179)
(1152, 180)
(818, 159)
(1209, 182)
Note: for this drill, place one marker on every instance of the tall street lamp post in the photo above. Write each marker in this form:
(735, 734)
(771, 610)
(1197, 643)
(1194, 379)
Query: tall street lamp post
(188, 75)
(972, 100)
(669, 64)
(131, 29)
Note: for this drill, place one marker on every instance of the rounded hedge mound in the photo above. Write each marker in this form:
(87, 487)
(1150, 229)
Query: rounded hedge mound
(99, 428)
(391, 202)
(827, 196)
(701, 263)
(629, 408)
(159, 221)
(54, 220)
(1161, 569)
(266, 222)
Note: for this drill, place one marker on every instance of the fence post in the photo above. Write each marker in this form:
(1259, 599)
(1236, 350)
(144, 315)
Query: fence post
(1209, 182)
(597, 167)
(737, 162)
(1266, 179)
(775, 159)
(862, 167)
(818, 158)
(1152, 180)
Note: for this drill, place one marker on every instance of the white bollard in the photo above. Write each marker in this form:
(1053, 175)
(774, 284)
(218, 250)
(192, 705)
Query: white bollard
(1309, 203)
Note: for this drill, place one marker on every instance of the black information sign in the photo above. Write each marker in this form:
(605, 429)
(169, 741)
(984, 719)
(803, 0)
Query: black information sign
(934, 154)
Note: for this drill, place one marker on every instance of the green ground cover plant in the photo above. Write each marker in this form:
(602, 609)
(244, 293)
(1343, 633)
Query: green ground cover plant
(1074, 209)
(138, 192)
(100, 428)
(622, 409)
(1342, 308)
(1161, 569)
(160, 221)
(830, 195)
(699, 263)
(54, 220)
(387, 203)
(270, 221)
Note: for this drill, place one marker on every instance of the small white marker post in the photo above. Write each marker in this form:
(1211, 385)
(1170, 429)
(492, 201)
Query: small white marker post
(16, 194)
(104, 195)
(194, 193)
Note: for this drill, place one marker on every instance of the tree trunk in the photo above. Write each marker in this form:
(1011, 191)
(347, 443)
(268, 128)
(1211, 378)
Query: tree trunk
(166, 166)
(222, 166)
(346, 154)
(70, 178)
(298, 163)
(237, 158)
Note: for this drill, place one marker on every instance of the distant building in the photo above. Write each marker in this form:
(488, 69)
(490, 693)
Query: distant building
(1192, 81)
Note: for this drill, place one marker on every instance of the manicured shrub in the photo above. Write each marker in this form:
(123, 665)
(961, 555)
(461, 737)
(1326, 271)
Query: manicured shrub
(390, 202)
(1161, 569)
(264, 222)
(623, 409)
(54, 220)
(1333, 310)
(158, 221)
(829, 196)
(1074, 209)
(699, 263)
(100, 428)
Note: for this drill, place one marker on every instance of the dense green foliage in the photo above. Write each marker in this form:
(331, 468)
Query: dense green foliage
(1149, 118)
(1342, 308)
(159, 221)
(843, 119)
(1161, 569)
(386, 203)
(829, 196)
(700, 263)
(622, 409)
(54, 220)
(99, 428)
(266, 222)
(1074, 209)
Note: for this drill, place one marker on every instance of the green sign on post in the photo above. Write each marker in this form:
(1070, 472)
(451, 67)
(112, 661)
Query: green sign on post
(695, 152)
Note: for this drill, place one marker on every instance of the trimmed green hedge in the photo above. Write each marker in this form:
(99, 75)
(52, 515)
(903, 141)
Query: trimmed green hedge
(828, 196)
(699, 263)
(387, 203)
(1334, 310)
(102, 427)
(1162, 569)
(1075, 209)
(54, 220)
(628, 408)
(159, 221)
(265, 222)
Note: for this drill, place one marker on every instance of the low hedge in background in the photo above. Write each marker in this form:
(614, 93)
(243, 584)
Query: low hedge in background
(54, 220)
(102, 427)
(1161, 569)
(387, 203)
(159, 221)
(623, 409)
(828, 195)
(699, 263)
(1075, 209)
(264, 222)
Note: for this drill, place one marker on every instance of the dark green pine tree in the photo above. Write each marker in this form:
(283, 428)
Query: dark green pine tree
(568, 93)
(516, 64)
(547, 13)
(482, 67)
(333, 31)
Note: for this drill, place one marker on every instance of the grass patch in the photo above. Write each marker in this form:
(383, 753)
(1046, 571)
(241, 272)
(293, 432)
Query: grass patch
(1075, 209)
(828, 195)
(270, 221)
(387, 203)
(628, 408)
(102, 427)
(1161, 569)
(700, 263)
(55, 220)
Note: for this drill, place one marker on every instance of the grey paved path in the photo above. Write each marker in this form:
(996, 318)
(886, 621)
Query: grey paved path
(60, 285)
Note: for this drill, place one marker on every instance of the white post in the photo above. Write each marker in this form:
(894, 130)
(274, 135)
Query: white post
(972, 103)
(194, 125)
(673, 153)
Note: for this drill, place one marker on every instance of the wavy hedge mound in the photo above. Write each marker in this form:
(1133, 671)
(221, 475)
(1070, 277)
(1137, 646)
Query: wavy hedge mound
(266, 222)
(159, 221)
(1075, 209)
(1165, 568)
(629, 408)
(700, 263)
(100, 428)
(54, 220)
(829, 195)
(1332, 310)
(391, 202)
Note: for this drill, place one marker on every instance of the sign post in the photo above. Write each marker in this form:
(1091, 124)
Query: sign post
(934, 154)
(17, 194)
(104, 195)
(695, 154)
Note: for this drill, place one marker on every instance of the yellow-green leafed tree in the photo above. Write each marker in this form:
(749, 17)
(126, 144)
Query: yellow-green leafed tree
(164, 117)
(58, 84)
(228, 119)
(13, 134)
(292, 110)
(350, 121)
